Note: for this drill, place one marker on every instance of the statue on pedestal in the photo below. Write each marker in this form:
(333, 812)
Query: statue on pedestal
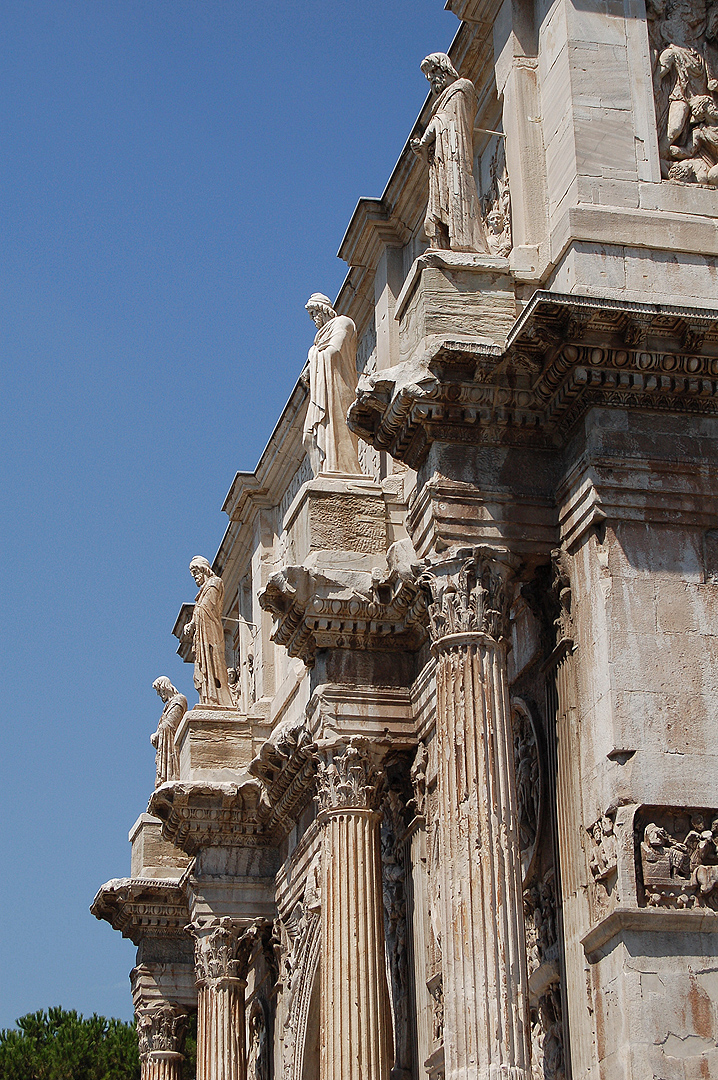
(166, 759)
(453, 215)
(205, 628)
(331, 446)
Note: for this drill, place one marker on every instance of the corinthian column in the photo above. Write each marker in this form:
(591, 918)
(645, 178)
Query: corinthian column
(160, 1032)
(486, 1030)
(222, 952)
(355, 1016)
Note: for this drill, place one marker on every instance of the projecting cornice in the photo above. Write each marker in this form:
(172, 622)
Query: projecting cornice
(313, 611)
(142, 907)
(563, 355)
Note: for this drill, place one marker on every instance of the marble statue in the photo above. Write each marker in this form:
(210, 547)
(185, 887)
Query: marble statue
(331, 446)
(453, 215)
(497, 233)
(205, 629)
(166, 759)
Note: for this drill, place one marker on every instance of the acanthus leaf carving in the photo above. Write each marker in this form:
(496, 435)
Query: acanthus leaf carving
(348, 774)
(223, 949)
(161, 1029)
(469, 593)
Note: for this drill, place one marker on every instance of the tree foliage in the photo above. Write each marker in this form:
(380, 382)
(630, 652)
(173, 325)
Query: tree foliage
(61, 1045)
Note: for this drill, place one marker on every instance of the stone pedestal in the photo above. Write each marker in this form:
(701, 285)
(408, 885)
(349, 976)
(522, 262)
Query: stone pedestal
(484, 978)
(222, 951)
(213, 743)
(355, 1014)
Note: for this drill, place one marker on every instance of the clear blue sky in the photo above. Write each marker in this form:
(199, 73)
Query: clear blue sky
(176, 178)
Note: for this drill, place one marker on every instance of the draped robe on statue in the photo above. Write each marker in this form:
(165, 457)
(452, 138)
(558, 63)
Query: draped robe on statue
(331, 446)
(453, 201)
(210, 666)
(167, 758)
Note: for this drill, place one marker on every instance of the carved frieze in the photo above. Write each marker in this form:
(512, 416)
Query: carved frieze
(603, 854)
(683, 41)
(141, 908)
(206, 815)
(528, 784)
(299, 937)
(393, 856)
(313, 611)
(677, 857)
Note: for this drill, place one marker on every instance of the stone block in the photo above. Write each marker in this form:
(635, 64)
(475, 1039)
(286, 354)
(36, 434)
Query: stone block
(599, 75)
(214, 743)
(153, 857)
(337, 518)
(458, 297)
(605, 142)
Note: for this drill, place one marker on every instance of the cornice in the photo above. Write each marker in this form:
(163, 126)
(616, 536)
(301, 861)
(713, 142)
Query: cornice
(142, 907)
(563, 355)
(313, 612)
(196, 816)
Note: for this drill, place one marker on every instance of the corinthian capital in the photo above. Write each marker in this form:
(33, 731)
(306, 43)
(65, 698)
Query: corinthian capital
(469, 593)
(348, 775)
(222, 949)
(161, 1029)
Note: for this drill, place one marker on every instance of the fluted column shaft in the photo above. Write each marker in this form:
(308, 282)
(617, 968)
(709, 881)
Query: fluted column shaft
(355, 1015)
(221, 1053)
(222, 953)
(486, 1030)
(162, 1065)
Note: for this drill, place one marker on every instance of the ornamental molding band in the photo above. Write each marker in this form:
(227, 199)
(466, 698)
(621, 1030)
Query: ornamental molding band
(564, 354)
(677, 858)
(141, 908)
(349, 775)
(313, 611)
(469, 594)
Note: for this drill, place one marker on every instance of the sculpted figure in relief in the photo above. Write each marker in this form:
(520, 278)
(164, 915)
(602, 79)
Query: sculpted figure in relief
(166, 759)
(683, 37)
(453, 215)
(331, 446)
(205, 629)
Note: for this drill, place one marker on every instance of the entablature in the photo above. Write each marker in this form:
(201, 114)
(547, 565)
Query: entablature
(563, 355)
(142, 907)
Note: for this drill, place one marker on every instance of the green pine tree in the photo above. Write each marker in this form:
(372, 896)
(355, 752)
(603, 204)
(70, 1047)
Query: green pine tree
(61, 1045)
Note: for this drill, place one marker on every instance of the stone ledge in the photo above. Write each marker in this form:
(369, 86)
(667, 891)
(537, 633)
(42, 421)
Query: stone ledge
(647, 920)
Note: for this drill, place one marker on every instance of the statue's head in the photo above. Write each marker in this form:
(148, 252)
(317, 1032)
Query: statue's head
(320, 309)
(164, 688)
(439, 71)
(496, 221)
(703, 108)
(200, 569)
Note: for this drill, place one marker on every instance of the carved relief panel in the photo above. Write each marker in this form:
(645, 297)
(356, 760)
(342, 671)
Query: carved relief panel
(683, 38)
(677, 857)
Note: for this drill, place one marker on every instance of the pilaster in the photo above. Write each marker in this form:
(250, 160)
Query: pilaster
(160, 1032)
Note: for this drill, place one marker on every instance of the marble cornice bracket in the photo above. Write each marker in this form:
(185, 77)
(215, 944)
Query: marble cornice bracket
(372, 227)
(564, 354)
(313, 612)
(204, 814)
(142, 907)
(286, 766)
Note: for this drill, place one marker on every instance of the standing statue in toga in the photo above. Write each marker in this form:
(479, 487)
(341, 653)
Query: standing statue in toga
(205, 628)
(453, 215)
(163, 740)
(331, 446)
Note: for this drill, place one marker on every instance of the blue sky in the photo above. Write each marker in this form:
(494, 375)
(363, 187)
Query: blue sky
(175, 179)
